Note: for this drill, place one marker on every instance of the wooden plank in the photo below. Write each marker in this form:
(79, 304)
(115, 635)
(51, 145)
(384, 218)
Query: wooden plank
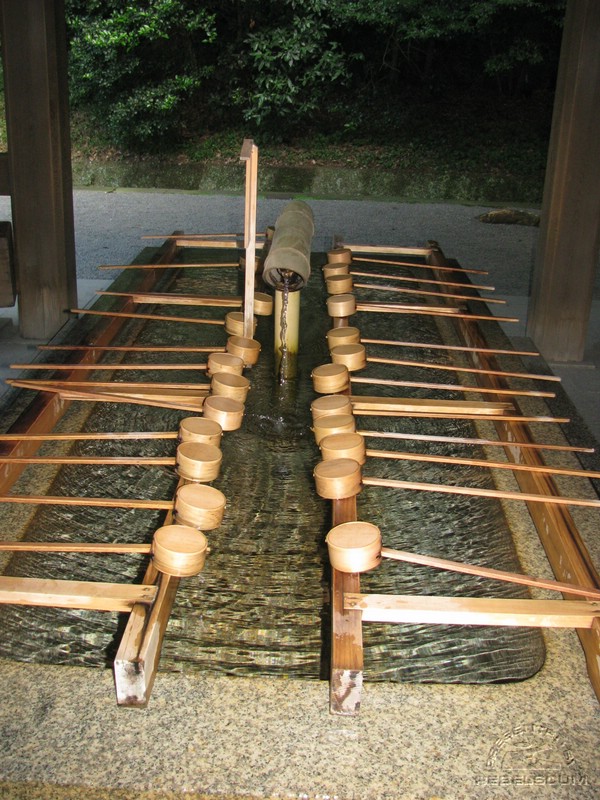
(46, 410)
(423, 610)
(347, 660)
(566, 551)
(74, 594)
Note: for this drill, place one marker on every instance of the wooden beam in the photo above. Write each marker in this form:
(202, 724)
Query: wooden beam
(74, 594)
(562, 541)
(347, 660)
(569, 237)
(423, 610)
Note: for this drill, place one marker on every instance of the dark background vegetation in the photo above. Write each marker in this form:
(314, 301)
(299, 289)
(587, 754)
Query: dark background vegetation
(390, 84)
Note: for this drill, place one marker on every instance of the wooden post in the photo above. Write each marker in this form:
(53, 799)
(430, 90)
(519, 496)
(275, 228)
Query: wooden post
(347, 662)
(39, 153)
(570, 225)
(249, 154)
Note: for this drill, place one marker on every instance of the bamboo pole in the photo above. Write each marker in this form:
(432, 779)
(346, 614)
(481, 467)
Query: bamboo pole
(432, 311)
(173, 299)
(374, 248)
(488, 572)
(110, 461)
(469, 370)
(451, 347)
(428, 281)
(103, 502)
(192, 389)
(474, 611)
(116, 367)
(415, 405)
(370, 412)
(100, 548)
(474, 462)
(474, 491)
(452, 387)
(169, 266)
(479, 442)
(425, 293)
(99, 436)
(420, 266)
(157, 317)
(132, 348)
(187, 403)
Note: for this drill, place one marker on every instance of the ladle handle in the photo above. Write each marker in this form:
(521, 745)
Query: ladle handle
(74, 547)
(488, 572)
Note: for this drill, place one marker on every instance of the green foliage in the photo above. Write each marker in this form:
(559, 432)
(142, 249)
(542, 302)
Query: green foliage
(138, 67)
(293, 66)
(156, 72)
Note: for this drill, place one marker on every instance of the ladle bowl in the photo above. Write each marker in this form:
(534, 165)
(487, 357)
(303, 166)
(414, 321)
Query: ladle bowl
(179, 550)
(354, 546)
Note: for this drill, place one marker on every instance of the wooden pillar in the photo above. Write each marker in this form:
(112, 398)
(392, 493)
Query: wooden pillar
(39, 158)
(569, 237)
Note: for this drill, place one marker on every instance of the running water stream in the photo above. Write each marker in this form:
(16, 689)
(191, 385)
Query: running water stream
(261, 604)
